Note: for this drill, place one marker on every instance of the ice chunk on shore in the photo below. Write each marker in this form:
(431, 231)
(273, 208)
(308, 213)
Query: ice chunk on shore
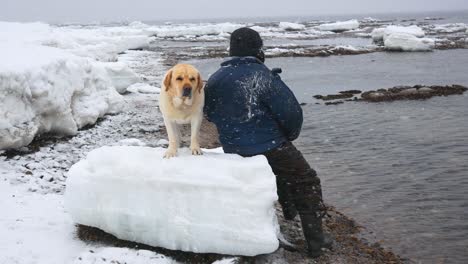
(143, 88)
(340, 26)
(57, 79)
(44, 89)
(219, 203)
(121, 75)
(291, 26)
(407, 42)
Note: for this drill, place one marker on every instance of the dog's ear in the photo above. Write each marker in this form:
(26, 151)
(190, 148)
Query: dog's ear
(167, 80)
(199, 83)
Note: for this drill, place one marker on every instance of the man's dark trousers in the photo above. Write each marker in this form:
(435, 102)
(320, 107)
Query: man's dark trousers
(299, 189)
(297, 183)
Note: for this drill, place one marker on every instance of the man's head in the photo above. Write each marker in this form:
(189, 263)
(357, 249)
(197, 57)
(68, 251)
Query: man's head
(246, 42)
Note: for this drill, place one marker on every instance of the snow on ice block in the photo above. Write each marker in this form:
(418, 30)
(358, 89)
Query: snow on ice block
(215, 203)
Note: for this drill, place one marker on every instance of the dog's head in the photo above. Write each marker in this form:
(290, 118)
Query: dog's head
(183, 81)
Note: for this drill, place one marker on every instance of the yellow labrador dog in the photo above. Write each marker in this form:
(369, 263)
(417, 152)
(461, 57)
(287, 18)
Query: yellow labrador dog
(181, 102)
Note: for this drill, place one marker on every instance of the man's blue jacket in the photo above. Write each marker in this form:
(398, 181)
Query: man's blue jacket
(253, 109)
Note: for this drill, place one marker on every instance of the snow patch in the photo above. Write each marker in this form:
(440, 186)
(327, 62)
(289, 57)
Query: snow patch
(35, 228)
(122, 255)
(219, 203)
(143, 88)
(131, 142)
(162, 142)
(227, 261)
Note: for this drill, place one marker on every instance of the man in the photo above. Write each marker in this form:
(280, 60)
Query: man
(256, 113)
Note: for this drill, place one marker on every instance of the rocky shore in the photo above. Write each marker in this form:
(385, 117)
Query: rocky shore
(138, 122)
(349, 245)
(172, 56)
(416, 92)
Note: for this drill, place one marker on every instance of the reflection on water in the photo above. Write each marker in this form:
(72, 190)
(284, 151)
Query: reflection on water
(398, 168)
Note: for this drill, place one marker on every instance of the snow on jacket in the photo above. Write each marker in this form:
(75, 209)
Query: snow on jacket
(253, 109)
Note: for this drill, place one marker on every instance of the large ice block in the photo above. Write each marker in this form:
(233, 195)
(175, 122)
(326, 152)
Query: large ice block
(217, 203)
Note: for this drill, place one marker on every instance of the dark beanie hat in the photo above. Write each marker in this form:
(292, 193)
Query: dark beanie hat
(245, 42)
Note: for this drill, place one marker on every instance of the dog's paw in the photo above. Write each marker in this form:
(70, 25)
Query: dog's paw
(196, 151)
(170, 153)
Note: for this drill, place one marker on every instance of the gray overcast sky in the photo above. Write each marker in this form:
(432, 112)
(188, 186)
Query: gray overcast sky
(117, 10)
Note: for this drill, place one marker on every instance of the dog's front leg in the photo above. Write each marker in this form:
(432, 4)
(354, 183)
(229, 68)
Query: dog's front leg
(173, 134)
(195, 130)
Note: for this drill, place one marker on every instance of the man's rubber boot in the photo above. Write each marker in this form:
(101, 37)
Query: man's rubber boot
(314, 236)
(284, 243)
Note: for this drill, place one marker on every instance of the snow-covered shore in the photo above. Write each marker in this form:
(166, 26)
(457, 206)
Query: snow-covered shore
(28, 180)
(44, 89)
(58, 80)
(35, 227)
(64, 66)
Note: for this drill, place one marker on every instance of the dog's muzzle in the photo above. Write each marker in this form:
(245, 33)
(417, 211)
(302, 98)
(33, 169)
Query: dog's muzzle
(187, 92)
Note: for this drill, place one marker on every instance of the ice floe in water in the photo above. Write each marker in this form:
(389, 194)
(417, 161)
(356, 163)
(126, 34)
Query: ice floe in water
(450, 28)
(407, 42)
(218, 203)
(379, 34)
(291, 26)
(193, 30)
(340, 26)
(402, 38)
